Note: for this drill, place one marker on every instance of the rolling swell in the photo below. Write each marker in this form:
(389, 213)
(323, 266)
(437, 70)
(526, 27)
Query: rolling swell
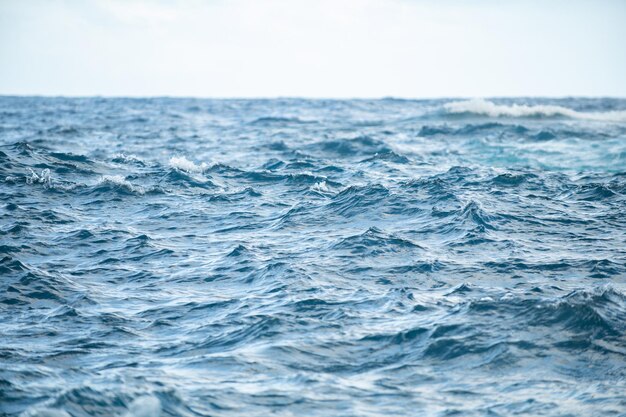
(183, 257)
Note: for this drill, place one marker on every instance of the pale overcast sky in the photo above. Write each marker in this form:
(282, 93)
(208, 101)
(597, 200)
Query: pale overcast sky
(313, 48)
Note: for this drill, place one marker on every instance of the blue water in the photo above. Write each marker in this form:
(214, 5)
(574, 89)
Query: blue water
(184, 257)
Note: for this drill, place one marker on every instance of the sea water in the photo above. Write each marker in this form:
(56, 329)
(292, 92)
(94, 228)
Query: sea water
(291, 257)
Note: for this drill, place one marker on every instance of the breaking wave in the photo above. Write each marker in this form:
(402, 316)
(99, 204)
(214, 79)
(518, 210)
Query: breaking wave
(487, 108)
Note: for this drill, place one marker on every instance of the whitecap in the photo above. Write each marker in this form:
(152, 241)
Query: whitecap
(118, 181)
(43, 178)
(124, 158)
(321, 187)
(184, 164)
(488, 108)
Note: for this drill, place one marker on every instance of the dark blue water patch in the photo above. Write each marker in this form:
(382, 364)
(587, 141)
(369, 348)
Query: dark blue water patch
(186, 257)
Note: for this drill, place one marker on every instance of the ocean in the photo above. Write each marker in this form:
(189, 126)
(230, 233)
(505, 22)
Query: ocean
(296, 257)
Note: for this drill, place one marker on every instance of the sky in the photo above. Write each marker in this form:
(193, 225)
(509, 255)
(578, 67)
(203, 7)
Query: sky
(313, 48)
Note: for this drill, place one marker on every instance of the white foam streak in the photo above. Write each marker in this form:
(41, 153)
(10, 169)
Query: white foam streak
(488, 108)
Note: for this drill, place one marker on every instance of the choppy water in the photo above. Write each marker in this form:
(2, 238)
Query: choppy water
(184, 257)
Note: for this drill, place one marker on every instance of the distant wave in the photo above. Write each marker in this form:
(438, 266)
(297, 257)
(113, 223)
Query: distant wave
(488, 108)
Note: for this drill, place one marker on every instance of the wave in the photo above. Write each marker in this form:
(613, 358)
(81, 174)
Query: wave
(487, 108)
(185, 180)
(375, 242)
(355, 200)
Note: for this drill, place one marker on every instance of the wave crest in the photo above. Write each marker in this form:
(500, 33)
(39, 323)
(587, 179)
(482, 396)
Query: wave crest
(185, 164)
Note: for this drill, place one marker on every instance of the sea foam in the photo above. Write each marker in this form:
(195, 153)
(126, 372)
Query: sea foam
(118, 181)
(43, 178)
(185, 164)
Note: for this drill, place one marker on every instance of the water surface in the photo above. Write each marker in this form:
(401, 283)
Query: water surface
(184, 257)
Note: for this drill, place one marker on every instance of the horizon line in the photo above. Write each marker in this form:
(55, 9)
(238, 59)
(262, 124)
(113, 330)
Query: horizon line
(320, 98)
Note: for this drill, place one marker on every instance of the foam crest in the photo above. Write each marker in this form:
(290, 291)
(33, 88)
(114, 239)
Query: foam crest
(184, 164)
(320, 187)
(118, 181)
(490, 109)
